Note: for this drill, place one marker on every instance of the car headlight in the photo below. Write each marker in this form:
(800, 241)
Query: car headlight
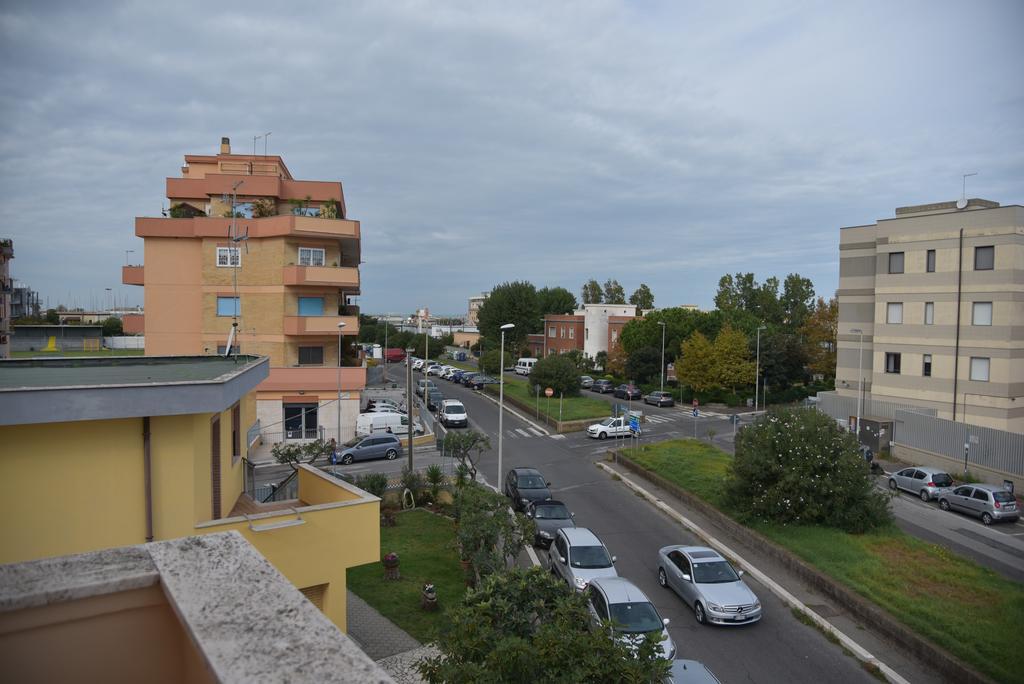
(580, 582)
(545, 535)
(715, 607)
(672, 653)
(757, 603)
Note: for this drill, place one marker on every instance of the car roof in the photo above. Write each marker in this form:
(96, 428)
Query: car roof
(580, 536)
(928, 469)
(446, 402)
(526, 471)
(698, 554)
(989, 487)
(620, 590)
(547, 502)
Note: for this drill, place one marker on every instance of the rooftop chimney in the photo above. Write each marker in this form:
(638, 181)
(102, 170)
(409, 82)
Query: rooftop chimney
(225, 145)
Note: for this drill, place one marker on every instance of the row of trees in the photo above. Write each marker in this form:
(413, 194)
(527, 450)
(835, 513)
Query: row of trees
(375, 331)
(611, 292)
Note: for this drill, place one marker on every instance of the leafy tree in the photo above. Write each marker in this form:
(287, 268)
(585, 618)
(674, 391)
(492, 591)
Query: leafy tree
(783, 360)
(294, 454)
(644, 365)
(513, 302)
(467, 447)
(797, 300)
(613, 292)
(616, 360)
(679, 325)
(583, 363)
(819, 337)
(555, 300)
(263, 207)
(523, 626)
(490, 537)
(695, 367)
(601, 360)
(52, 317)
(592, 292)
(490, 362)
(112, 327)
(557, 372)
(642, 297)
(732, 364)
(743, 293)
(796, 467)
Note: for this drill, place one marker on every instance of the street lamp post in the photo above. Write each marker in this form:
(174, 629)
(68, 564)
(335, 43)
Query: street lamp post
(860, 380)
(111, 291)
(385, 348)
(408, 398)
(501, 394)
(126, 253)
(662, 324)
(341, 324)
(757, 367)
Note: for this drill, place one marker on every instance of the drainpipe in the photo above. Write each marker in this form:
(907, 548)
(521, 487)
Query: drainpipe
(147, 469)
(959, 289)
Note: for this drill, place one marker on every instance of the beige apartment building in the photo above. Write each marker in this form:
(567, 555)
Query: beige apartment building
(245, 246)
(934, 298)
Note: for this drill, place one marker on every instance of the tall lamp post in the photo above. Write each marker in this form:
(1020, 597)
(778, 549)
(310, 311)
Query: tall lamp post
(111, 291)
(126, 253)
(385, 348)
(501, 394)
(662, 324)
(341, 324)
(408, 398)
(757, 367)
(860, 380)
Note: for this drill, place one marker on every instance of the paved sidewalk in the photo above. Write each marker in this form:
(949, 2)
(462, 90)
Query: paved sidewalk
(376, 635)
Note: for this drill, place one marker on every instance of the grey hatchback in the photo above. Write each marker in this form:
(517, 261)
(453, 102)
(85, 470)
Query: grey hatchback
(928, 483)
(370, 447)
(988, 502)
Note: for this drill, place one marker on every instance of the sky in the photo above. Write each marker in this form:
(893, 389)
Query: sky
(665, 143)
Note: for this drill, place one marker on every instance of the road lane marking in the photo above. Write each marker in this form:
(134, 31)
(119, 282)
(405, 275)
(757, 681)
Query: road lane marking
(536, 432)
(859, 651)
(522, 432)
(513, 412)
(558, 436)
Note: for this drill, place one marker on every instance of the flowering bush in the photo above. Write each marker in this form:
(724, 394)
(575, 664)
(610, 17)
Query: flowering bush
(797, 467)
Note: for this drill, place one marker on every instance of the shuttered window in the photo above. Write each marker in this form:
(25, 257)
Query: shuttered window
(215, 466)
(315, 594)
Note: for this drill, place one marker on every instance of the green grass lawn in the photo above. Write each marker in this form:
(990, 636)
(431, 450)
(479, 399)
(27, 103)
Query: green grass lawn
(573, 408)
(425, 544)
(57, 354)
(959, 605)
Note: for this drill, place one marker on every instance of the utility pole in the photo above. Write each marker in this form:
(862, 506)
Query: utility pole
(408, 398)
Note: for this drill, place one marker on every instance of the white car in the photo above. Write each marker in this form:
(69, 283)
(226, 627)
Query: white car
(417, 364)
(609, 427)
(453, 414)
(448, 372)
(435, 370)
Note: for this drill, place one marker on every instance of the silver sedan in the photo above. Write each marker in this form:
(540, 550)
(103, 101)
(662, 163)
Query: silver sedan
(709, 584)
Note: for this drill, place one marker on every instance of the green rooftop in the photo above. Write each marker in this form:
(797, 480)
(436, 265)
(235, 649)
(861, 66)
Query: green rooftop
(112, 371)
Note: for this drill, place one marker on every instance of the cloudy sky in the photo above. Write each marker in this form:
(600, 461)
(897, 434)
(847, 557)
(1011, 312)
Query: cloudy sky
(658, 142)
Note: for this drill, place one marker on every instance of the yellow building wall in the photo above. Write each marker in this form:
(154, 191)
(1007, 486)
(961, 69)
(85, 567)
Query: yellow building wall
(174, 446)
(70, 488)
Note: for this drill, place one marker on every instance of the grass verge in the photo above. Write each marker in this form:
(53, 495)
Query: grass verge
(969, 610)
(424, 543)
(573, 408)
(57, 354)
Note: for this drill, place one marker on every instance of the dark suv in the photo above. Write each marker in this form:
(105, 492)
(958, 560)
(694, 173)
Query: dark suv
(524, 485)
(602, 386)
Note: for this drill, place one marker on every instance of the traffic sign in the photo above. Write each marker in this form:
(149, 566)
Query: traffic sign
(634, 424)
(550, 391)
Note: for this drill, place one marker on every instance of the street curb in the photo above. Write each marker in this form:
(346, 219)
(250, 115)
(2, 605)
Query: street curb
(516, 413)
(859, 651)
(885, 625)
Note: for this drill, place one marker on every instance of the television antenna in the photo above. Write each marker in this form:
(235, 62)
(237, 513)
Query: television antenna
(235, 261)
(962, 202)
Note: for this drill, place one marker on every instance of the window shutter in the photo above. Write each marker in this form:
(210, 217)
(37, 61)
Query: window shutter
(215, 466)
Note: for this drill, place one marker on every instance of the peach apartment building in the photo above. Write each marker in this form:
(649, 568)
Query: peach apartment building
(286, 283)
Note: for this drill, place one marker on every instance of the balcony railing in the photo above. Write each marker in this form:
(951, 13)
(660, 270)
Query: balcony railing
(320, 325)
(331, 276)
(315, 379)
(270, 226)
(132, 275)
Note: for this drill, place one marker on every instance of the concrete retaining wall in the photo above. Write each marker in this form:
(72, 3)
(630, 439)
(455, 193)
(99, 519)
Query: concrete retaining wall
(874, 617)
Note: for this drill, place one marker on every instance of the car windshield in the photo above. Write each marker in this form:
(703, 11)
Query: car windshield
(549, 512)
(589, 557)
(454, 408)
(942, 480)
(352, 442)
(1002, 497)
(635, 618)
(531, 482)
(608, 422)
(715, 572)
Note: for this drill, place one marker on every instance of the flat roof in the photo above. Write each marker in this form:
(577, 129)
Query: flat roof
(66, 389)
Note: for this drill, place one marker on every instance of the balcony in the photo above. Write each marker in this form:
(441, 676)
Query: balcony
(320, 325)
(314, 379)
(271, 226)
(132, 275)
(331, 276)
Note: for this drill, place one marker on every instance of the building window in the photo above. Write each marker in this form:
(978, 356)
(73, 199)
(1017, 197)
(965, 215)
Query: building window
(552, 331)
(311, 306)
(892, 363)
(979, 368)
(561, 332)
(222, 350)
(896, 262)
(311, 256)
(311, 356)
(981, 313)
(615, 336)
(572, 332)
(929, 261)
(229, 306)
(929, 313)
(228, 256)
(984, 258)
(926, 366)
(894, 312)
(300, 421)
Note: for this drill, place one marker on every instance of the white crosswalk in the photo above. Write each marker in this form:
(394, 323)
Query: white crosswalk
(521, 433)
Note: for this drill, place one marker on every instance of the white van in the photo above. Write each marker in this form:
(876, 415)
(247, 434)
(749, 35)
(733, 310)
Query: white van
(524, 366)
(396, 423)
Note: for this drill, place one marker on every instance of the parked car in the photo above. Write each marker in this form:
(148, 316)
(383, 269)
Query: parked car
(691, 672)
(457, 375)
(467, 378)
(548, 517)
(396, 423)
(372, 403)
(480, 380)
(383, 408)
(420, 384)
(436, 369)
(586, 382)
(659, 398)
(988, 502)
(602, 386)
(453, 414)
(524, 485)
(524, 365)
(928, 483)
(434, 399)
(609, 427)
(369, 447)
(578, 556)
(626, 391)
(417, 364)
(708, 584)
(630, 611)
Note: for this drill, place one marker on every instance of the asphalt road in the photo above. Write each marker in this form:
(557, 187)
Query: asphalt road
(777, 649)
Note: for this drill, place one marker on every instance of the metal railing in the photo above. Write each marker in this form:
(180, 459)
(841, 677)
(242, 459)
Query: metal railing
(987, 447)
(841, 408)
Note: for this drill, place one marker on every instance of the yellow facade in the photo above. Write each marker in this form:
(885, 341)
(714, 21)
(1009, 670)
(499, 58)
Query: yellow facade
(79, 486)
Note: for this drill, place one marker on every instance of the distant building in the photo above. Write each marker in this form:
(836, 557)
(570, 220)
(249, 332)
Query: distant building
(475, 302)
(6, 289)
(593, 329)
(43, 337)
(934, 293)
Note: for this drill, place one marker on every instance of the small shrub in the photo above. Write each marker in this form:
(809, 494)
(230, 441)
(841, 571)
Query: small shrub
(413, 481)
(435, 477)
(374, 483)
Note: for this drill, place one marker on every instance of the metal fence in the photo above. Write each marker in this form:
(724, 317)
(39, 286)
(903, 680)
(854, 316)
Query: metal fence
(841, 408)
(986, 447)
